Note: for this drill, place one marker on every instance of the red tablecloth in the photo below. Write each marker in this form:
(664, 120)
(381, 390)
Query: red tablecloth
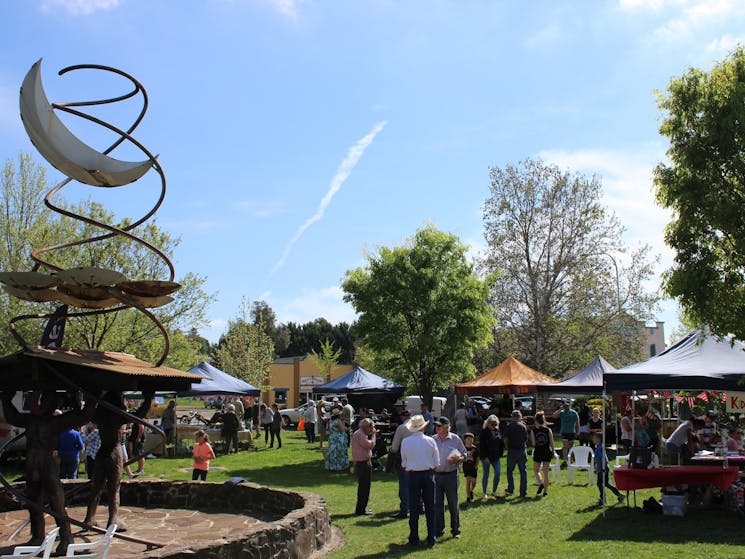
(628, 479)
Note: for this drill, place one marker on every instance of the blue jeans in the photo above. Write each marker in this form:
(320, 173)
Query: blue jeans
(421, 486)
(517, 458)
(497, 467)
(446, 485)
(403, 490)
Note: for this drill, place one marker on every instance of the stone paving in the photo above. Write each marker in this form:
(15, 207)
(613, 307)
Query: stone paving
(176, 527)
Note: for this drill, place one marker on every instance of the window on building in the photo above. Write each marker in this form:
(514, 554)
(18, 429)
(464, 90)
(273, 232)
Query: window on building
(652, 350)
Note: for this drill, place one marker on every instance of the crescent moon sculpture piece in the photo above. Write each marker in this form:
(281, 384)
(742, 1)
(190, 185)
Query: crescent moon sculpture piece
(62, 149)
(92, 289)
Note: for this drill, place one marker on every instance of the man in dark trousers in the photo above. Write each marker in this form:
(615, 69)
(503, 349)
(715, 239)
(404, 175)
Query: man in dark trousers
(452, 452)
(363, 441)
(515, 440)
(420, 458)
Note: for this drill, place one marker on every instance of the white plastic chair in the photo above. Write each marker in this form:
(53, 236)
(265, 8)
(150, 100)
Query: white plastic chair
(555, 468)
(620, 457)
(580, 458)
(44, 550)
(98, 548)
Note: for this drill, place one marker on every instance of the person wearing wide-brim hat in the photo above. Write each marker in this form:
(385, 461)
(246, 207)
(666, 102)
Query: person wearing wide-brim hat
(420, 458)
(337, 455)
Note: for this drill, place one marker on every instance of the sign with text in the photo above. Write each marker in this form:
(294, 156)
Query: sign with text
(310, 381)
(735, 402)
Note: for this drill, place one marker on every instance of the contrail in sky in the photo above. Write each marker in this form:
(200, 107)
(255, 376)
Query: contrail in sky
(342, 174)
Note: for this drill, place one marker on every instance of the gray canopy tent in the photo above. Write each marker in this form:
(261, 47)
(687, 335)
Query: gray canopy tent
(586, 381)
(214, 381)
(699, 361)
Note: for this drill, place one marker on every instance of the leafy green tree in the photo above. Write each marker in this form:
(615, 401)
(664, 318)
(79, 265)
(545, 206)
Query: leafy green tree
(703, 183)
(423, 308)
(26, 223)
(262, 314)
(325, 360)
(245, 351)
(563, 294)
(308, 337)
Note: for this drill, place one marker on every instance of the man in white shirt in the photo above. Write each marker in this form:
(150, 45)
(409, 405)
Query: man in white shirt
(394, 453)
(310, 418)
(420, 458)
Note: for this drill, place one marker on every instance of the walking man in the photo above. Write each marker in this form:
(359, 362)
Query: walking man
(310, 418)
(402, 432)
(420, 458)
(515, 439)
(452, 452)
(363, 441)
(569, 427)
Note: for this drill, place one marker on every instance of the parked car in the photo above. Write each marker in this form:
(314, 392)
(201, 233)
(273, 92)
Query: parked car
(291, 416)
(526, 402)
(482, 401)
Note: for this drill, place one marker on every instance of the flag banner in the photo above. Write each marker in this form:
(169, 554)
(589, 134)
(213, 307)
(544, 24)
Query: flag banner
(735, 402)
(55, 329)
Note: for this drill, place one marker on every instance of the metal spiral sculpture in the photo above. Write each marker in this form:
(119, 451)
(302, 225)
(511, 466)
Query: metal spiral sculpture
(94, 290)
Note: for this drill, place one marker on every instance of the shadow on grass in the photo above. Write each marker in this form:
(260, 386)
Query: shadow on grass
(394, 550)
(632, 524)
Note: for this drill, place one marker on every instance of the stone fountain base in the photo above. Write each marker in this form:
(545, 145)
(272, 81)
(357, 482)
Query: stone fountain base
(199, 520)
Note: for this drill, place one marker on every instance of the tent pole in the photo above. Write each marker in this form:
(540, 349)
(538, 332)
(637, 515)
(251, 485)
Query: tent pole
(633, 416)
(604, 453)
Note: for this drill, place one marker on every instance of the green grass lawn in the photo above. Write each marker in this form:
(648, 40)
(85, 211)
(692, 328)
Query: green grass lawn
(565, 524)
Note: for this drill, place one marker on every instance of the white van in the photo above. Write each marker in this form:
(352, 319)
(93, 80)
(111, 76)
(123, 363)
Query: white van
(414, 405)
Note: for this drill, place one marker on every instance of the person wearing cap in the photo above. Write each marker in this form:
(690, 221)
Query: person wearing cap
(515, 440)
(394, 453)
(568, 427)
(363, 442)
(398, 409)
(452, 453)
(420, 458)
(310, 418)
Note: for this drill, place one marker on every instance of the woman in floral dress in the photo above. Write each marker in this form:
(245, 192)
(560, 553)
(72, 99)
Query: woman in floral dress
(337, 455)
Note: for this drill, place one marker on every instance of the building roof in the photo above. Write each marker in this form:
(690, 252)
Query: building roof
(93, 370)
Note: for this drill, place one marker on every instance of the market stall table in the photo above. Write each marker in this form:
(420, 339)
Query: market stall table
(630, 479)
(214, 433)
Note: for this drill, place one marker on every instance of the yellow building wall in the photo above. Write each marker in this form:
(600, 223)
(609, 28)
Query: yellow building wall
(287, 375)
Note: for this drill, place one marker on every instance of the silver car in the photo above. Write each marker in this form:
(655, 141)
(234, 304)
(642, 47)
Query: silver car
(291, 416)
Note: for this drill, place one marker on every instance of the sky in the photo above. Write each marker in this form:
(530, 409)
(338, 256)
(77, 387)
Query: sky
(297, 136)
